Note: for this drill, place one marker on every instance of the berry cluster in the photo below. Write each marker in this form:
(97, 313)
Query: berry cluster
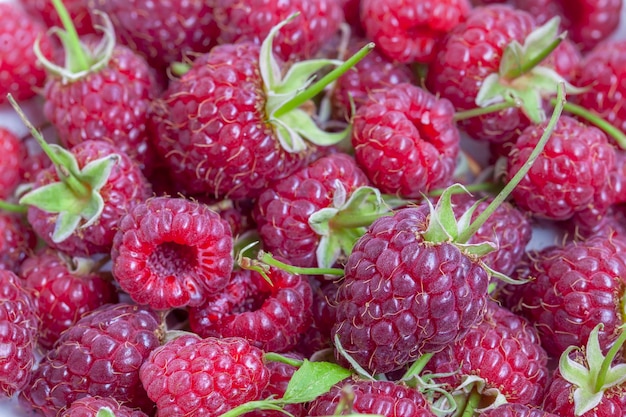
(312, 207)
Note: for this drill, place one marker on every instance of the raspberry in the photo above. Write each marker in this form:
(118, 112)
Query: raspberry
(92, 406)
(516, 410)
(193, 376)
(12, 151)
(16, 241)
(172, 252)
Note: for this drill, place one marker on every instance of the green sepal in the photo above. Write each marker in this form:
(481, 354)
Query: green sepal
(67, 160)
(297, 125)
(313, 379)
(477, 249)
(300, 75)
(474, 382)
(585, 376)
(65, 225)
(52, 198)
(355, 365)
(105, 412)
(442, 223)
(500, 276)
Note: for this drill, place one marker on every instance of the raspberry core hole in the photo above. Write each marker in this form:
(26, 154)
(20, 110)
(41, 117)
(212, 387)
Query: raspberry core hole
(172, 258)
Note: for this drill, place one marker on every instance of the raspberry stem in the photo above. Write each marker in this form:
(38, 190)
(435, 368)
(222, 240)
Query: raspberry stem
(466, 234)
(350, 221)
(277, 357)
(471, 188)
(480, 111)
(597, 121)
(13, 208)
(268, 259)
(79, 60)
(472, 403)
(64, 171)
(608, 360)
(418, 366)
(319, 86)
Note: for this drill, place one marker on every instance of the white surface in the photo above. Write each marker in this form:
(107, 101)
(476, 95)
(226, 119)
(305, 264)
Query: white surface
(541, 237)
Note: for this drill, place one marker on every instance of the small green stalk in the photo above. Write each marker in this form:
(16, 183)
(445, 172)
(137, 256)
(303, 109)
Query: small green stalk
(319, 86)
(418, 366)
(480, 111)
(80, 61)
(597, 121)
(472, 188)
(349, 221)
(13, 208)
(268, 259)
(510, 186)
(472, 404)
(608, 360)
(277, 357)
(64, 172)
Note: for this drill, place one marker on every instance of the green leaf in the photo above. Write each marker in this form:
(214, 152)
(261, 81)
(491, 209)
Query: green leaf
(313, 379)
(53, 198)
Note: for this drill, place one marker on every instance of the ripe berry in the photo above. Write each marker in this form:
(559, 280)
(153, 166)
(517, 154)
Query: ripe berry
(97, 406)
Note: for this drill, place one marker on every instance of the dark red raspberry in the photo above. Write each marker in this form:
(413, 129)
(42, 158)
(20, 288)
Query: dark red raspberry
(172, 252)
(20, 72)
(16, 240)
(570, 172)
(374, 397)
(575, 287)
(64, 291)
(93, 406)
(403, 296)
(125, 187)
(271, 317)
(405, 140)
(18, 334)
(317, 337)
(99, 356)
(504, 351)
(470, 53)
(283, 210)
(77, 9)
(252, 20)
(408, 31)
(110, 104)
(603, 73)
(516, 410)
(163, 32)
(207, 377)
(12, 151)
(373, 72)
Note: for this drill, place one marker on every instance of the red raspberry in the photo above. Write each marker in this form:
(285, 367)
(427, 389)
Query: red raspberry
(571, 170)
(64, 291)
(271, 318)
(12, 151)
(16, 241)
(504, 351)
(403, 296)
(471, 52)
(77, 9)
(163, 32)
(252, 20)
(194, 376)
(93, 407)
(172, 252)
(374, 397)
(405, 140)
(574, 288)
(283, 210)
(317, 336)
(603, 73)
(99, 356)
(407, 31)
(20, 71)
(110, 104)
(516, 410)
(18, 335)
(373, 72)
(125, 187)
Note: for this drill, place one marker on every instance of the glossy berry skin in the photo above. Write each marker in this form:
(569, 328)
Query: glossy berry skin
(16, 241)
(405, 140)
(125, 187)
(172, 252)
(251, 20)
(516, 410)
(12, 150)
(99, 356)
(282, 211)
(90, 406)
(504, 350)
(62, 295)
(272, 318)
(560, 394)
(210, 127)
(207, 377)
(375, 397)
(20, 71)
(402, 296)
(575, 287)
(110, 104)
(471, 52)
(18, 334)
(163, 32)
(572, 168)
(603, 72)
(408, 31)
